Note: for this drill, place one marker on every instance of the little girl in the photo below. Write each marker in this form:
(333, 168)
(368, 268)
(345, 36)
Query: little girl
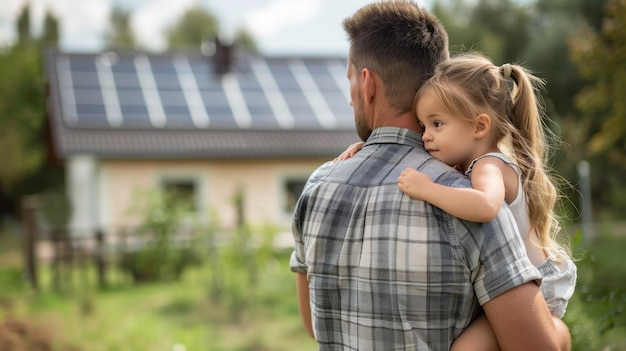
(470, 121)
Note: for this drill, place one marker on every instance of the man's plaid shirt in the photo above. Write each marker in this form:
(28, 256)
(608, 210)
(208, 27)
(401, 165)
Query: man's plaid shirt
(387, 272)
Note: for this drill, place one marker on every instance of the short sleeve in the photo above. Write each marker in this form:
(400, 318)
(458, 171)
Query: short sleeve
(297, 260)
(502, 263)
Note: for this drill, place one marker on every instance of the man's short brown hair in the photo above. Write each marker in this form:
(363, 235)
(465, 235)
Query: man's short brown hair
(401, 42)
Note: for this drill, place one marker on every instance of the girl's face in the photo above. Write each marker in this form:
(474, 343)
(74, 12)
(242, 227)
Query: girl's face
(447, 137)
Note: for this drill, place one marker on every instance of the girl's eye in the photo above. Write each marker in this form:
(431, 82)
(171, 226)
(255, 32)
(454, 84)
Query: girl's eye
(437, 124)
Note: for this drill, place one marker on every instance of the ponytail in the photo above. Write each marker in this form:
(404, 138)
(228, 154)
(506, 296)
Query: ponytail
(530, 146)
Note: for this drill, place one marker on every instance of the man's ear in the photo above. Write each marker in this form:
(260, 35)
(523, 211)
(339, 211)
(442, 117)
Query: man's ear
(369, 85)
(482, 125)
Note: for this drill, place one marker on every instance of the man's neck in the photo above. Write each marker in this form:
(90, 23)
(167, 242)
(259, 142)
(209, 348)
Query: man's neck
(406, 120)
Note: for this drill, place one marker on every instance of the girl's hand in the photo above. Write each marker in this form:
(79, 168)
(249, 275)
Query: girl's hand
(412, 183)
(350, 151)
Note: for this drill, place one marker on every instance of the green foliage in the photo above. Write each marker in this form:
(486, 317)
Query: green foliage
(557, 22)
(500, 29)
(235, 261)
(198, 25)
(22, 108)
(158, 261)
(601, 60)
(582, 326)
(595, 314)
(239, 266)
(245, 41)
(195, 26)
(23, 26)
(12, 281)
(50, 34)
(164, 248)
(120, 33)
(21, 113)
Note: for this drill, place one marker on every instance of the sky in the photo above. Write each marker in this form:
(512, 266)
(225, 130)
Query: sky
(278, 26)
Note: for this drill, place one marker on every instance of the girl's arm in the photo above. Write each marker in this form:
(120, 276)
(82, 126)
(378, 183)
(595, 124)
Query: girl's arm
(350, 151)
(479, 204)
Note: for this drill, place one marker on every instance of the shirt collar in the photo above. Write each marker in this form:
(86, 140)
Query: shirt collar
(395, 135)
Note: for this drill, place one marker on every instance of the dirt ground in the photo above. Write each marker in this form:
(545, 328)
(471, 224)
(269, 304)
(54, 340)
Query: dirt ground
(19, 334)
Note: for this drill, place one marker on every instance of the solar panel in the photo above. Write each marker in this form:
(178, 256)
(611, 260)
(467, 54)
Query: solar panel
(177, 91)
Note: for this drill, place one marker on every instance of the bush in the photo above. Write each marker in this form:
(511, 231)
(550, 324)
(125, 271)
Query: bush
(158, 262)
(163, 250)
(12, 281)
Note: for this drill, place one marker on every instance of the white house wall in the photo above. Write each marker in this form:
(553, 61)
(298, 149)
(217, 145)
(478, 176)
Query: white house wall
(261, 182)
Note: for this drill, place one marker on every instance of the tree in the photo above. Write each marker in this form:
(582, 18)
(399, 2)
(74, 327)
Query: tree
(21, 113)
(600, 57)
(195, 26)
(245, 41)
(21, 106)
(555, 22)
(23, 26)
(198, 25)
(498, 28)
(50, 35)
(120, 33)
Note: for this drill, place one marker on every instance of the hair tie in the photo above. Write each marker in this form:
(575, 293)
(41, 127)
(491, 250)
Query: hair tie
(506, 73)
(506, 70)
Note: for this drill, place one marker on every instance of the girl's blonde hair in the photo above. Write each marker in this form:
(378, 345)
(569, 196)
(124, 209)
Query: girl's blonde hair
(470, 84)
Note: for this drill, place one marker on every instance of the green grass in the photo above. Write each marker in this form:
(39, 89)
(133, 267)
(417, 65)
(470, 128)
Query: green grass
(597, 313)
(260, 314)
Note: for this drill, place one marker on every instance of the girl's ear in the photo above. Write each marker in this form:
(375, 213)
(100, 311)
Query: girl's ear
(482, 125)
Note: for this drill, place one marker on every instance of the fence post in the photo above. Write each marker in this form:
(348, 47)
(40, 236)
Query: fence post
(100, 264)
(584, 172)
(29, 206)
(57, 264)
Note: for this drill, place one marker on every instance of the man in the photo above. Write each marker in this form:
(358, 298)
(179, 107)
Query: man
(377, 270)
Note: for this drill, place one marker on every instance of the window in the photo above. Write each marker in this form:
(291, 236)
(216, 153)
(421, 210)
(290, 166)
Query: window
(293, 189)
(183, 191)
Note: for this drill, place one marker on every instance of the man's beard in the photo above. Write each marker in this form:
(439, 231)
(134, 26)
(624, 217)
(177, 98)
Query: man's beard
(360, 121)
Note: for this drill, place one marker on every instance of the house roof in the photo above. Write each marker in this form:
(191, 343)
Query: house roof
(187, 105)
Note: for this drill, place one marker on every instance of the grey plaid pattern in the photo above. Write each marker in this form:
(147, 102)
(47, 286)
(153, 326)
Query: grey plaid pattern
(387, 272)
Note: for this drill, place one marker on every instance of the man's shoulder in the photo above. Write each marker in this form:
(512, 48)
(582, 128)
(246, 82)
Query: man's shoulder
(319, 173)
(443, 174)
(453, 178)
(322, 171)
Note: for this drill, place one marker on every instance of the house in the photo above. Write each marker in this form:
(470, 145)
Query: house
(211, 125)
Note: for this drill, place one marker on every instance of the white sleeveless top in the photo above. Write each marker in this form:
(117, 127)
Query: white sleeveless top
(559, 279)
(519, 206)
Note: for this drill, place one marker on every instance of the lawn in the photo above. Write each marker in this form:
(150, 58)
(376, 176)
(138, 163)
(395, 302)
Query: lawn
(248, 311)
(233, 307)
(596, 314)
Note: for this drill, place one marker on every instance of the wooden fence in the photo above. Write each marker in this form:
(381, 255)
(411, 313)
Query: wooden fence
(101, 252)
(64, 253)
(70, 256)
